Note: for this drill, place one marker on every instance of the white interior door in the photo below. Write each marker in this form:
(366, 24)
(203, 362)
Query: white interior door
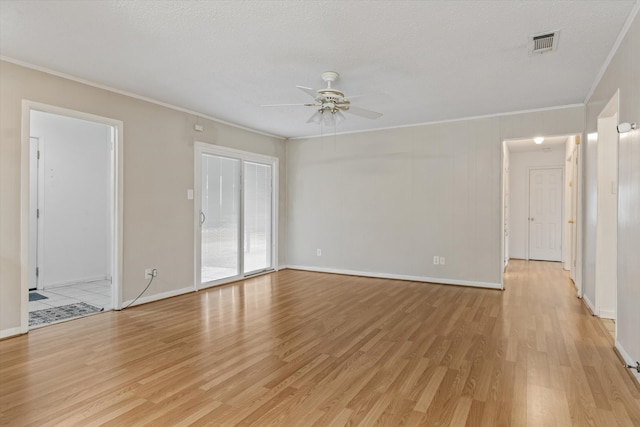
(34, 184)
(545, 214)
(574, 215)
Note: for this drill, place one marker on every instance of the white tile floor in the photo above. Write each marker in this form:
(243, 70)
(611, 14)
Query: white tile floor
(94, 293)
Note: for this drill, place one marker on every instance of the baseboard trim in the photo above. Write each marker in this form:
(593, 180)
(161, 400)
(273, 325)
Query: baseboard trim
(607, 314)
(441, 281)
(158, 297)
(175, 293)
(11, 332)
(627, 360)
(589, 304)
(75, 282)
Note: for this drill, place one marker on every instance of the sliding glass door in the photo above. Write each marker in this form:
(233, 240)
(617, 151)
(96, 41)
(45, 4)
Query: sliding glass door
(219, 218)
(235, 214)
(257, 217)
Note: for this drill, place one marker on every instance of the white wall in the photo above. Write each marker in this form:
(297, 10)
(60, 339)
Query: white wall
(520, 163)
(590, 206)
(622, 73)
(158, 163)
(386, 202)
(607, 220)
(75, 199)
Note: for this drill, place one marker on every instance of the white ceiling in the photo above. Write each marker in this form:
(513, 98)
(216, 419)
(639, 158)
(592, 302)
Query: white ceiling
(424, 60)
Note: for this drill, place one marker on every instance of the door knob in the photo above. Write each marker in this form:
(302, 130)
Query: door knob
(571, 221)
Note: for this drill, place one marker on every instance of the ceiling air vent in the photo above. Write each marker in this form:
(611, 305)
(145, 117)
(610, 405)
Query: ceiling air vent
(545, 42)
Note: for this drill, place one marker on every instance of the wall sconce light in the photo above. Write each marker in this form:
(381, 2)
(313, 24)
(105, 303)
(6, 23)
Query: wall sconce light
(538, 140)
(626, 127)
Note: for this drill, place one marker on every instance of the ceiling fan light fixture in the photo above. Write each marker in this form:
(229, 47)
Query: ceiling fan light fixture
(316, 118)
(327, 118)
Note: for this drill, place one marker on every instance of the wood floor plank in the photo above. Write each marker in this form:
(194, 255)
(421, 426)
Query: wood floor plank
(430, 391)
(297, 348)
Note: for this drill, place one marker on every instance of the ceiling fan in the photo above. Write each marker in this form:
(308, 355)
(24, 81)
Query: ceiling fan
(330, 103)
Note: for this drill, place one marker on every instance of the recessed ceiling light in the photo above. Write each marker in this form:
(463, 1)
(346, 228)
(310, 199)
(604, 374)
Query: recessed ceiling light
(538, 140)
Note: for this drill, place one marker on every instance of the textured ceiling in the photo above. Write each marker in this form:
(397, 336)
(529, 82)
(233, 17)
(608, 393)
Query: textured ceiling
(421, 61)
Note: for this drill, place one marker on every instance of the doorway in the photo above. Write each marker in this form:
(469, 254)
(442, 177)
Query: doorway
(72, 237)
(236, 206)
(523, 238)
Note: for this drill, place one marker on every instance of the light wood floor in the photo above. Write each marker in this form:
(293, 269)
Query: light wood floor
(298, 348)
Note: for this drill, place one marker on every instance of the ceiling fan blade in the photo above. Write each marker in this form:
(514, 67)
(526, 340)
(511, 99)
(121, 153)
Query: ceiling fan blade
(360, 95)
(375, 96)
(309, 91)
(290, 105)
(363, 112)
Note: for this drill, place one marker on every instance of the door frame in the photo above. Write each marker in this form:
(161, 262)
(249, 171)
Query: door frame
(580, 256)
(606, 131)
(202, 148)
(116, 193)
(36, 186)
(562, 213)
(575, 272)
(505, 206)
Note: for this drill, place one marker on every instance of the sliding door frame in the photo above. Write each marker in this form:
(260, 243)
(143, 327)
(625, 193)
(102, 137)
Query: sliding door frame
(201, 149)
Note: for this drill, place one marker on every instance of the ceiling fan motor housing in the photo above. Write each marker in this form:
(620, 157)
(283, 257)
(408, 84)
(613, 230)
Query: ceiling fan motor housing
(329, 77)
(330, 98)
(331, 95)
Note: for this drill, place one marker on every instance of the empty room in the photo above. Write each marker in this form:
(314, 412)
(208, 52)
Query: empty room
(319, 213)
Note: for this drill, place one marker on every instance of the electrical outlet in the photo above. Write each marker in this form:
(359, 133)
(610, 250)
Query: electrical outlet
(436, 260)
(441, 260)
(319, 252)
(150, 272)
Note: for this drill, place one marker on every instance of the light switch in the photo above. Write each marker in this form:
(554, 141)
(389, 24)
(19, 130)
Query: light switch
(189, 194)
